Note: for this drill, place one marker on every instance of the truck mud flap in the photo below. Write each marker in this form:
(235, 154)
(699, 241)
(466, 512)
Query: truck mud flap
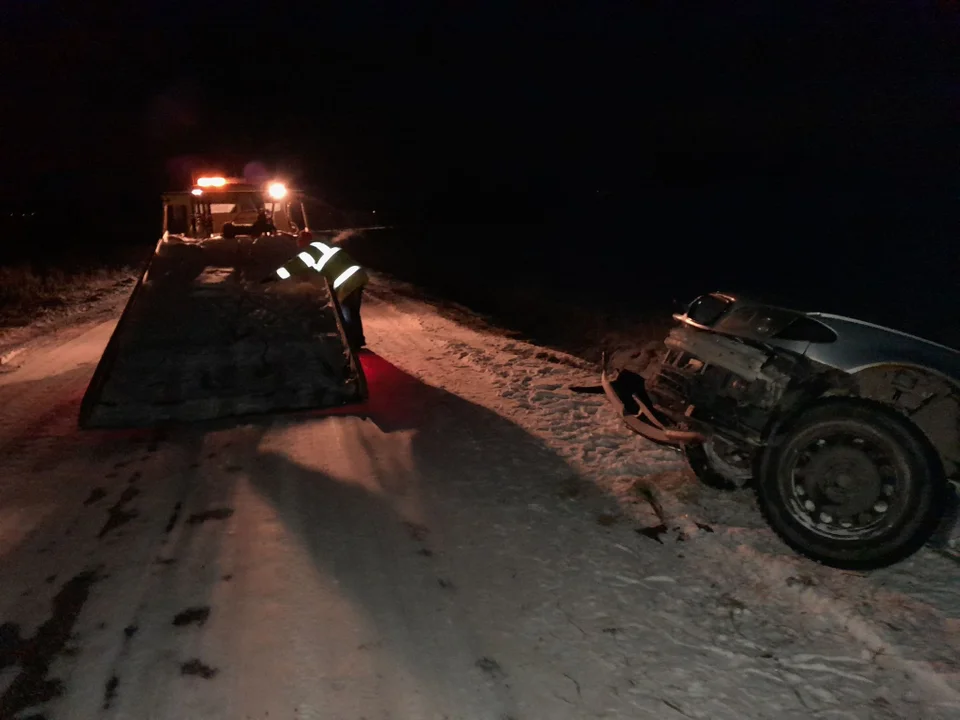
(201, 338)
(624, 392)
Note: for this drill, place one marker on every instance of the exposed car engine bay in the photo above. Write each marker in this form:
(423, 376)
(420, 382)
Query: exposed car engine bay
(841, 425)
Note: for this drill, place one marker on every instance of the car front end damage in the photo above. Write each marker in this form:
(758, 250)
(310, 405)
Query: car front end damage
(738, 386)
(702, 386)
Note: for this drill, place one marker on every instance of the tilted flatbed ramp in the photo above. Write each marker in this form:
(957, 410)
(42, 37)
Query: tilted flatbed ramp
(202, 338)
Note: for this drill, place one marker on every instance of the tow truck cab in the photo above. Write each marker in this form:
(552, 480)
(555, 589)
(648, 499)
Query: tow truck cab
(218, 206)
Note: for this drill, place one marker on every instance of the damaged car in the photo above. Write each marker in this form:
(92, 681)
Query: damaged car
(849, 432)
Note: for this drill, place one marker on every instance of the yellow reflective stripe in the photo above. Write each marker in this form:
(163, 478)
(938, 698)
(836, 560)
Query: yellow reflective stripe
(326, 256)
(345, 275)
(283, 273)
(307, 259)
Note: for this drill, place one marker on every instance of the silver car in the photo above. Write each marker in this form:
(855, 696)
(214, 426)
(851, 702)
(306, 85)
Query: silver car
(848, 431)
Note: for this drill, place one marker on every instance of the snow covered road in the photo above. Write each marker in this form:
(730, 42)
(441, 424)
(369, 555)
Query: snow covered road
(464, 546)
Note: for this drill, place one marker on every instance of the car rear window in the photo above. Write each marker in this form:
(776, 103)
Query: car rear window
(706, 309)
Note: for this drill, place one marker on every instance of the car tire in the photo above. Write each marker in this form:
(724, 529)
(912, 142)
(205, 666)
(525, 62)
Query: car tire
(852, 485)
(706, 472)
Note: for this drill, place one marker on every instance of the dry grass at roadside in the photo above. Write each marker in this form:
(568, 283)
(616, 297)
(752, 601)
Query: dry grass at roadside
(586, 331)
(26, 294)
(546, 319)
(539, 301)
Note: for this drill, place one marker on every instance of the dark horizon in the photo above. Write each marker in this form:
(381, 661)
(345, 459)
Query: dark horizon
(374, 101)
(812, 137)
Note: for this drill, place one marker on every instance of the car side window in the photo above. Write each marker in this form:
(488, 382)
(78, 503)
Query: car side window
(805, 329)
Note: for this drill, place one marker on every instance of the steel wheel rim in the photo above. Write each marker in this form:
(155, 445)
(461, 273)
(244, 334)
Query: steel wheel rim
(845, 482)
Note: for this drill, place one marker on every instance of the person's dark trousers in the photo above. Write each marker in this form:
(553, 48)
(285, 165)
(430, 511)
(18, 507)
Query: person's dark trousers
(351, 314)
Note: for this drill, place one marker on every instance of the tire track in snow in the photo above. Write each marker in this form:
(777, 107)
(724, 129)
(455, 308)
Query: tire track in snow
(123, 539)
(164, 593)
(82, 472)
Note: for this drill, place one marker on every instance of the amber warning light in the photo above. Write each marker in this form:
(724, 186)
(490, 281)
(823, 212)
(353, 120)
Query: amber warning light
(211, 182)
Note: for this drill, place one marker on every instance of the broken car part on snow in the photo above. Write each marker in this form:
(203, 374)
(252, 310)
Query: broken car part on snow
(849, 431)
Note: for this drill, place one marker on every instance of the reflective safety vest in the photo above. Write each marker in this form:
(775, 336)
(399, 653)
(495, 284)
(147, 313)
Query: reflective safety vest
(332, 262)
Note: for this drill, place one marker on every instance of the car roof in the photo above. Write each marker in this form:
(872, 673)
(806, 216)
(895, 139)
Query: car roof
(899, 317)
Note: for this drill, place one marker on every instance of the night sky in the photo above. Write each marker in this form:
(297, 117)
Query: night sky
(755, 114)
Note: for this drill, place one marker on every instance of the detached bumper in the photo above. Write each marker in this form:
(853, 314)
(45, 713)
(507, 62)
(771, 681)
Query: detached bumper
(623, 392)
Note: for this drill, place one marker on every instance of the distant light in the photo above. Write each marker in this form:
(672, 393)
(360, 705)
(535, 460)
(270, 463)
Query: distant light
(278, 191)
(197, 191)
(211, 182)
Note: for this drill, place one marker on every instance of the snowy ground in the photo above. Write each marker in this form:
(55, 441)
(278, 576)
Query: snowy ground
(101, 297)
(465, 546)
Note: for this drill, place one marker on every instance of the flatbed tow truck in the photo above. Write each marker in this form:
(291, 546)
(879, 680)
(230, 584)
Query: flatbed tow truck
(202, 337)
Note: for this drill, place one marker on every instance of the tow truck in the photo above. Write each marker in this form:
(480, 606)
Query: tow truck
(217, 206)
(201, 336)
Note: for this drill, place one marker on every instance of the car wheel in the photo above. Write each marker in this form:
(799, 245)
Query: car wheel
(713, 469)
(852, 485)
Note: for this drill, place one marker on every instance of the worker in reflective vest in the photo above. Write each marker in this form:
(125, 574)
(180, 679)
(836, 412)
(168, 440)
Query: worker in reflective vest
(346, 277)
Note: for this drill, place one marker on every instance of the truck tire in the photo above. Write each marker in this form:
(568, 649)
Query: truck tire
(852, 485)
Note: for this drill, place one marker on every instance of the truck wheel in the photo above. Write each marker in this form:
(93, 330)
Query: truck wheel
(852, 485)
(713, 470)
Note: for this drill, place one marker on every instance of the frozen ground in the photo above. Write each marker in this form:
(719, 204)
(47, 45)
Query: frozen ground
(100, 297)
(476, 542)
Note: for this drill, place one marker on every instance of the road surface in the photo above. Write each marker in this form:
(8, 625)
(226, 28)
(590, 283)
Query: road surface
(475, 542)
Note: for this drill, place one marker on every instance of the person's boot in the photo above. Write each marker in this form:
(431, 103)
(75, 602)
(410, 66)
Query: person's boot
(355, 342)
